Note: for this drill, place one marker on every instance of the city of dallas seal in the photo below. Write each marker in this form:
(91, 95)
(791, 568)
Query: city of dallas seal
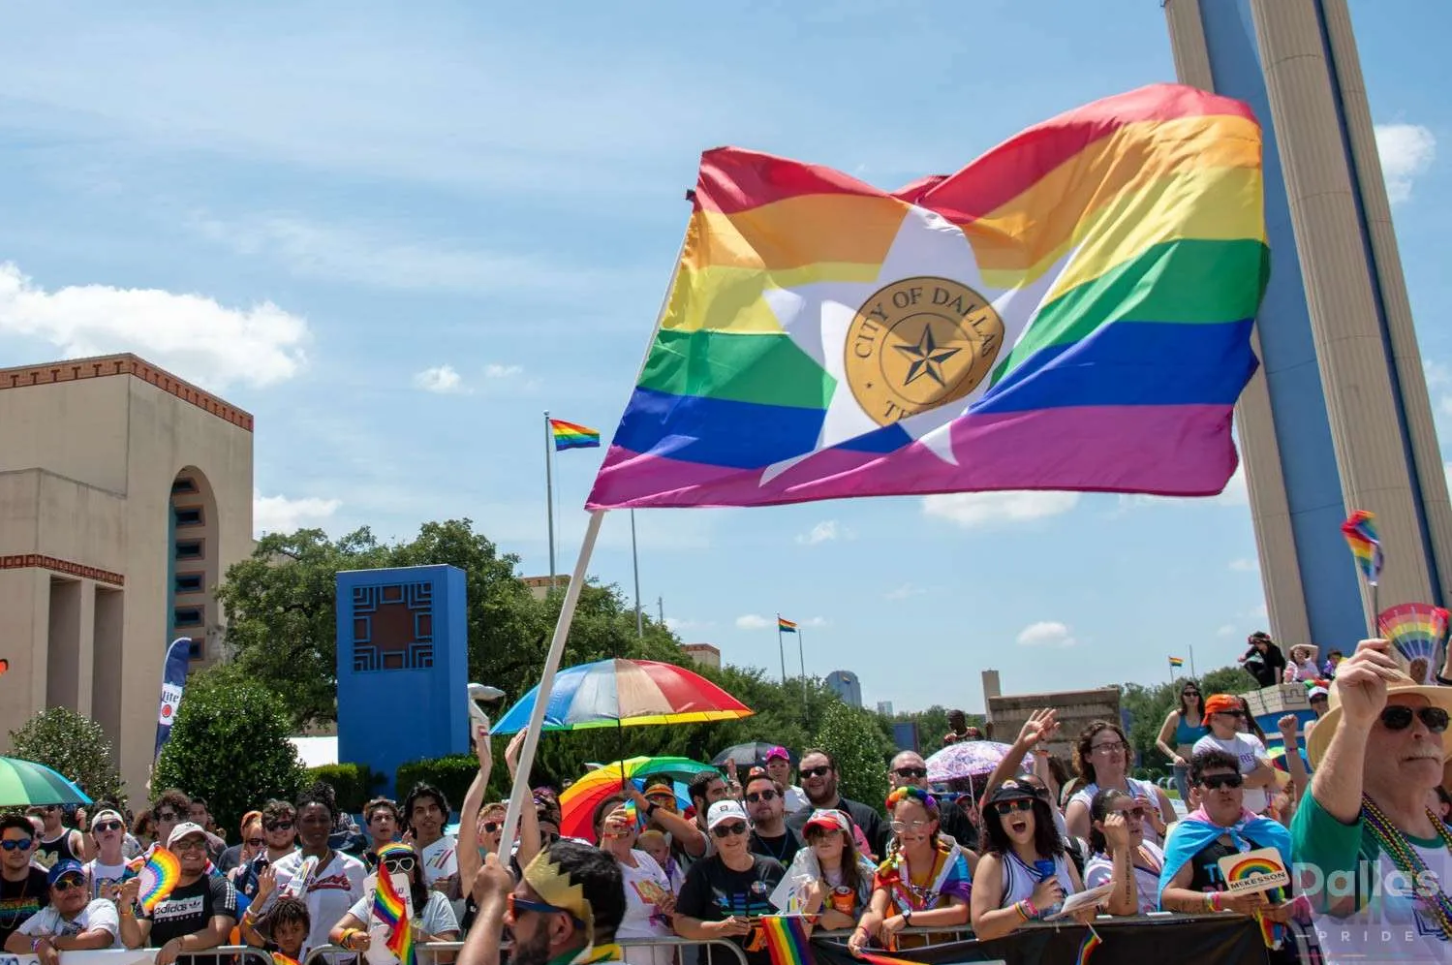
(917, 344)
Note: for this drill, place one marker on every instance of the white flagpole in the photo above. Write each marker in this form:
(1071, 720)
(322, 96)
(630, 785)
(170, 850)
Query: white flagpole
(550, 496)
(547, 682)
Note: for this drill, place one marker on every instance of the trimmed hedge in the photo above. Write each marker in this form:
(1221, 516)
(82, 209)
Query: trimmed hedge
(452, 775)
(353, 784)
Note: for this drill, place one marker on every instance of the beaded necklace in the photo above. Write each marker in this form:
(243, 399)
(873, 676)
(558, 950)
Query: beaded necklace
(1405, 857)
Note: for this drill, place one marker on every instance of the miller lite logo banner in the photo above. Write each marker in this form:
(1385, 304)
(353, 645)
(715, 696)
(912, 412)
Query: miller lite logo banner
(173, 679)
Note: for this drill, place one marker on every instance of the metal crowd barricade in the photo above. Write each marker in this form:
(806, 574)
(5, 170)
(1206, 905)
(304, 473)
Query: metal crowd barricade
(441, 953)
(226, 955)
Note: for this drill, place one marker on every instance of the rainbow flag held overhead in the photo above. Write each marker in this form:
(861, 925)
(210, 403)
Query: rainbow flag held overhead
(568, 435)
(1071, 311)
(1177, 661)
(1360, 532)
(785, 626)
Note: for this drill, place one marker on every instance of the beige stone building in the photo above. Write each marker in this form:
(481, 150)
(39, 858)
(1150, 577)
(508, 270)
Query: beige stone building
(125, 493)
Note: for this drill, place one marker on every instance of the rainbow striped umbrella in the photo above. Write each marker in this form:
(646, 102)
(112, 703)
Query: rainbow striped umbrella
(26, 783)
(626, 693)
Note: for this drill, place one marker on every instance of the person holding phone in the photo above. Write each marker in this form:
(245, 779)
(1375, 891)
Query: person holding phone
(724, 892)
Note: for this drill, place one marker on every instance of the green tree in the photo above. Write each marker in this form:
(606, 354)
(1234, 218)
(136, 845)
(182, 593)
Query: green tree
(855, 740)
(230, 745)
(73, 745)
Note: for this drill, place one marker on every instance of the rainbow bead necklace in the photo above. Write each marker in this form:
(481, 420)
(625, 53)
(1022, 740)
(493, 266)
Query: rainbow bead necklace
(1405, 857)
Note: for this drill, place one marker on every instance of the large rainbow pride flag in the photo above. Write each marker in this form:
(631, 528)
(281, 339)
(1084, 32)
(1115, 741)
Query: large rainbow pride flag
(1071, 311)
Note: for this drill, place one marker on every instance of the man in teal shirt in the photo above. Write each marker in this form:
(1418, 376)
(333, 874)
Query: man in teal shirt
(1373, 859)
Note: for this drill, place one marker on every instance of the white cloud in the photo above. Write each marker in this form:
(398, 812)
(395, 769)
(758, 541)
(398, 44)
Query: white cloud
(1258, 613)
(903, 592)
(278, 514)
(1407, 152)
(823, 532)
(1046, 633)
(493, 371)
(441, 379)
(751, 621)
(971, 510)
(1439, 386)
(677, 625)
(1225, 630)
(814, 622)
(190, 335)
(1244, 565)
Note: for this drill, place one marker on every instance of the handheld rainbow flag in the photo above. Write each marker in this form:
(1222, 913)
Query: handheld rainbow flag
(1177, 661)
(568, 435)
(159, 876)
(391, 908)
(1360, 532)
(785, 626)
(786, 940)
(1071, 311)
(1088, 945)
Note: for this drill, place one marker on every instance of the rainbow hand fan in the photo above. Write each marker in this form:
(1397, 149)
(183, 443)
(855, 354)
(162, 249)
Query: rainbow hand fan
(1417, 631)
(159, 876)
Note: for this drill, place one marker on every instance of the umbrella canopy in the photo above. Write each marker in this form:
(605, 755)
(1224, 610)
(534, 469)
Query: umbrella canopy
(26, 783)
(966, 759)
(626, 693)
(749, 755)
(579, 800)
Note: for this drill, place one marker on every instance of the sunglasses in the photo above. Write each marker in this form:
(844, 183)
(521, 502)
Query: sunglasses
(822, 771)
(1398, 717)
(1110, 747)
(1137, 812)
(16, 845)
(491, 826)
(256, 842)
(189, 844)
(1008, 807)
(1237, 714)
(1215, 782)
(404, 864)
(278, 826)
(67, 883)
(516, 905)
(51, 808)
(106, 826)
(768, 795)
(166, 815)
(899, 827)
(912, 772)
(727, 830)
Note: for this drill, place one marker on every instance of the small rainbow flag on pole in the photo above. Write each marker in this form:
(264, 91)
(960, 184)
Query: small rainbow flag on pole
(786, 940)
(785, 626)
(1177, 661)
(568, 435)
(1360, 532)
(1086, 948)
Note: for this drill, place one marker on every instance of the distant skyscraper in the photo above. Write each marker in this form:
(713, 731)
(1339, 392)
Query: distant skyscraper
(844, 684)
(884, 707)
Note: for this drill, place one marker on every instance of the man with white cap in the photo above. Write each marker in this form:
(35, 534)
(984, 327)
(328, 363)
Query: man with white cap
(108, 869)
(1375, 862)
(723, 891)
(198, 914)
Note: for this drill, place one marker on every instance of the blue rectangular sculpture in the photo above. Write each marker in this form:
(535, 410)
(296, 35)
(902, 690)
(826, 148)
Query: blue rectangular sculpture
(403, 666)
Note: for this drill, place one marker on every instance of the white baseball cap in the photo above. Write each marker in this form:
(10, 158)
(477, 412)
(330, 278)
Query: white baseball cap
(182, 830)
(723, 811)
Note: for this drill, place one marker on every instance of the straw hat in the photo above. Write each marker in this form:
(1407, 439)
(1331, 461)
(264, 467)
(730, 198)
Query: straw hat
(1309, 649)
(1321, 734)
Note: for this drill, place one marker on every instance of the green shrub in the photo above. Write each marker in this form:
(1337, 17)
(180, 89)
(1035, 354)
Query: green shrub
(352, 784)
(452, 775)
(854, 740)
(230, 745)
(75, 747)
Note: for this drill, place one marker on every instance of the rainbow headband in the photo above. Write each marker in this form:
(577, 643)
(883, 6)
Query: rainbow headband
(552, 883)
(916, 793)
(395, 850)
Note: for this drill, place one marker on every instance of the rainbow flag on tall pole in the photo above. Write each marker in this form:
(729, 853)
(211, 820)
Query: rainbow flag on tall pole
(560, 435)
(1071, 311)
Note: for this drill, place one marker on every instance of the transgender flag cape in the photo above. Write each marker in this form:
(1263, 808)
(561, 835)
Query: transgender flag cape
(1071, 311)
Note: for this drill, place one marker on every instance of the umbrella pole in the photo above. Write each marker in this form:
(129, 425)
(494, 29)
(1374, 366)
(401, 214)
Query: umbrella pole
(547, 683)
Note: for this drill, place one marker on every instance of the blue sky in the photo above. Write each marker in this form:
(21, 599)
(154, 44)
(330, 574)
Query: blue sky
(397, 234)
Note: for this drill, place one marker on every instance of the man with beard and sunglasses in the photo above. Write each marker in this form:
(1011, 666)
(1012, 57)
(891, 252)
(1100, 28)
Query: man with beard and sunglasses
(564, 910)
(1191, 880)
(726, 891)
(818, 774)
(766, 802)
(908, 769)
(1375, 861)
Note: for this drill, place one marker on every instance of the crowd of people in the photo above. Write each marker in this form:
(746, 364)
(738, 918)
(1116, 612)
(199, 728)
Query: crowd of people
(1363, 830)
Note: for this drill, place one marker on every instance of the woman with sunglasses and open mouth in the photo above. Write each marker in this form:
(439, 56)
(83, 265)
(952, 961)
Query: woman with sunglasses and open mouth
(1025, 874)
(925, 881)
(431, 913)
